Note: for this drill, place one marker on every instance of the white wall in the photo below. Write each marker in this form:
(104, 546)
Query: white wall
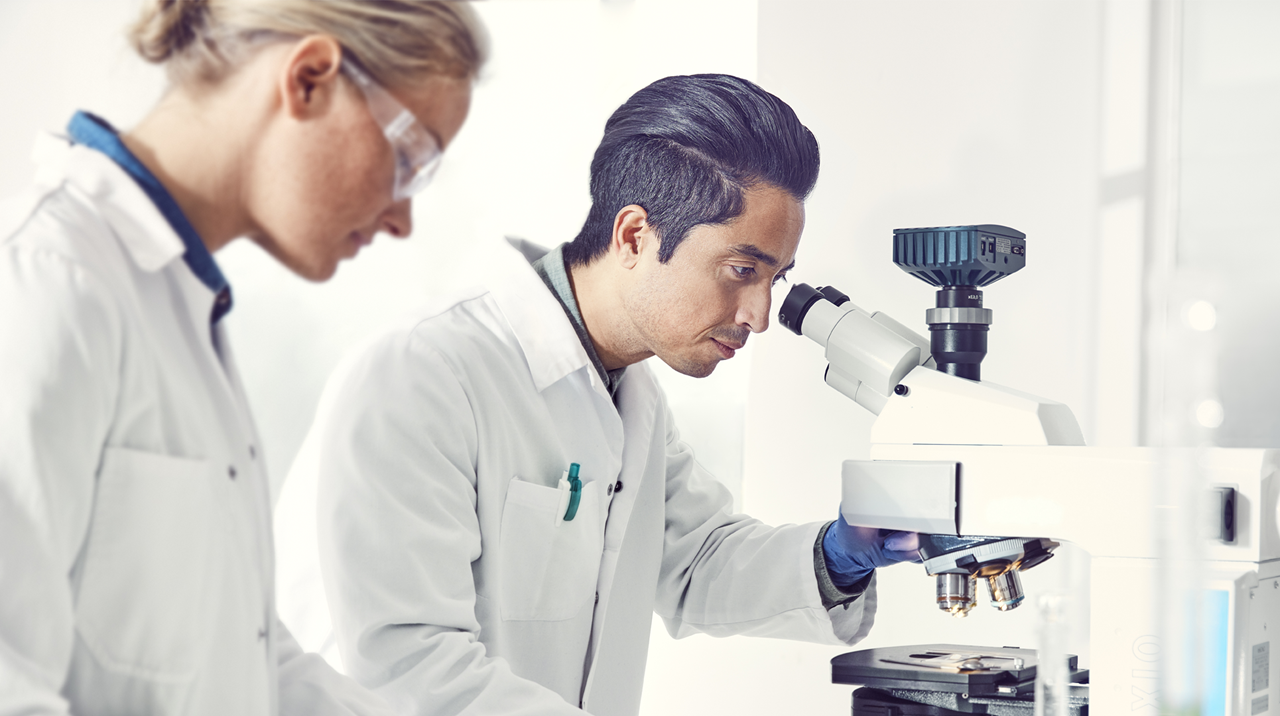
(63, 56)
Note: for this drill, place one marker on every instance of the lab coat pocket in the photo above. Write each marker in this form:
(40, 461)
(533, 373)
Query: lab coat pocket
(144, 572)
(549, 566)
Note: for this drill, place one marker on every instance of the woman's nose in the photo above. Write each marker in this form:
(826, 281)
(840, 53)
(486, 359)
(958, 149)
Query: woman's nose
(397, 220)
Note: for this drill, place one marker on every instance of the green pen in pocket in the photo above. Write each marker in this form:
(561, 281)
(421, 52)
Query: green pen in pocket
(575, 491)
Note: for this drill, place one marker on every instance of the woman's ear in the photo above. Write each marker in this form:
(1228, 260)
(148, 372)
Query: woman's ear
(310, 76)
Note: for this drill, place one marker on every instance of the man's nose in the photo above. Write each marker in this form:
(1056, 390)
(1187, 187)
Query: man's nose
(753, 312)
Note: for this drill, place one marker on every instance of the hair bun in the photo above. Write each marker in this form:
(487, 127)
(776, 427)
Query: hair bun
(398, 41)
(166, 27)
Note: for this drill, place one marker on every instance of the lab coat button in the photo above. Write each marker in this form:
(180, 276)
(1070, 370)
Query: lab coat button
(618, 486)
(253, 453)
(231, 471)
(262, 634)
(609, 490)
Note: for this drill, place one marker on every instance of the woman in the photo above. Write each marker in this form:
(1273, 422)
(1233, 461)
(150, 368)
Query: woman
(136, 570)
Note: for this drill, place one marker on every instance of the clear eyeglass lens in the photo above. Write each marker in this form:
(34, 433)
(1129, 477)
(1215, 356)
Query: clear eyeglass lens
(417, 157)
(417, 153)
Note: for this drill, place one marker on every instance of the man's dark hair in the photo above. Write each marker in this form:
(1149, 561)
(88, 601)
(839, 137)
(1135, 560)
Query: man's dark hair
(686, 148)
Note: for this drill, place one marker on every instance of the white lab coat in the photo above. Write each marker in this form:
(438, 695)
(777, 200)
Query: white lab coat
(135, 533)
(455, 585)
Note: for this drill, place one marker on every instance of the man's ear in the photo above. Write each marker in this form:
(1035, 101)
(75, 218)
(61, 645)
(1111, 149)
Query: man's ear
(310, 76)
(632, 235)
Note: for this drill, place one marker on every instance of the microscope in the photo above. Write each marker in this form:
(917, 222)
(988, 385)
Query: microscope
(995, 479)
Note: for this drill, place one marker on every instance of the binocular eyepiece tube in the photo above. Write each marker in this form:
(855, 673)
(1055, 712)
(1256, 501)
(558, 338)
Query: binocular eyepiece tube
(868, 353)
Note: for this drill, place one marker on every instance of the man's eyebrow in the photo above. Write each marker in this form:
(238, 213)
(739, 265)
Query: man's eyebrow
(752, 252)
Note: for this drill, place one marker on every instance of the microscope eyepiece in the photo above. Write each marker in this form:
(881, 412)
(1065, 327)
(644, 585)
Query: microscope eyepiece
(801, 298)
(797, 303)
(834, 295)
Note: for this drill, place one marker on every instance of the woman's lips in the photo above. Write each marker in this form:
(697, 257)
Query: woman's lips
(358, 241)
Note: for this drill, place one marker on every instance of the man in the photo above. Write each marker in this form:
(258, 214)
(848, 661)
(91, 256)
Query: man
(504, 498)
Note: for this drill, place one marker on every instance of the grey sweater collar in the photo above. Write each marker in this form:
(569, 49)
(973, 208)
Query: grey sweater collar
(554, 273)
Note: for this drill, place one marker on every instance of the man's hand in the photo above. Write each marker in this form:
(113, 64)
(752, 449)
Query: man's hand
(854, 552)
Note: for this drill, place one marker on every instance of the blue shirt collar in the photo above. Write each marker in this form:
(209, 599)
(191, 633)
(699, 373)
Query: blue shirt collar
(94, 132)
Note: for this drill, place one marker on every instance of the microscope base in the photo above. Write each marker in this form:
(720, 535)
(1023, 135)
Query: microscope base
(876, 702)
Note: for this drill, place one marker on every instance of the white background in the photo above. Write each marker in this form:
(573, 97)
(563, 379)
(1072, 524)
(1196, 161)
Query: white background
(1032, 114)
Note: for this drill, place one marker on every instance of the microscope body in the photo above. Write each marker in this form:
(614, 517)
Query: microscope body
(1107, 501)
(890, 370)
(922, 410)
(993, 478)
(1016, 466)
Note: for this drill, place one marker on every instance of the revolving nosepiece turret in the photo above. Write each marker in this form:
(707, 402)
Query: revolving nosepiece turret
(957, 563)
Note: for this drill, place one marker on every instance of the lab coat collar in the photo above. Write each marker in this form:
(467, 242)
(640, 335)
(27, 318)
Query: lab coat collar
(96, 133)
(544, 332)
(134, 218)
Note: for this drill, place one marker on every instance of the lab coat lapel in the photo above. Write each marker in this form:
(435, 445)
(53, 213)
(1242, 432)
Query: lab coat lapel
(637, 406)
(561, 371)
(154, 246)
(145, 234)
(634, 531)
(633, 556)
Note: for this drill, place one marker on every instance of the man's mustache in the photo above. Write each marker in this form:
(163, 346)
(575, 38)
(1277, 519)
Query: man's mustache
(735, 336)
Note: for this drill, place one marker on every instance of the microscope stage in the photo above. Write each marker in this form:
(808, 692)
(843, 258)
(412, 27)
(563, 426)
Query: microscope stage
(949, 680)
(974, 670)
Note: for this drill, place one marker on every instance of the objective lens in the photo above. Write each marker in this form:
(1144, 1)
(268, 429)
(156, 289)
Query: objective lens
(1006, 590)
(956, 593)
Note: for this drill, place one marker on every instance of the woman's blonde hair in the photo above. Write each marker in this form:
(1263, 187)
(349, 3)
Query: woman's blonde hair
(397, 41)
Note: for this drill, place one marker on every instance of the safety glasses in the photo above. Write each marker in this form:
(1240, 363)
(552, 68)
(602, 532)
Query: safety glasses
(416, 149)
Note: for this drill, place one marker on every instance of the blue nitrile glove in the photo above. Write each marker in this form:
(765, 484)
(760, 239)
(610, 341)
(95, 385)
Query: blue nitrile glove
(854, 552)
